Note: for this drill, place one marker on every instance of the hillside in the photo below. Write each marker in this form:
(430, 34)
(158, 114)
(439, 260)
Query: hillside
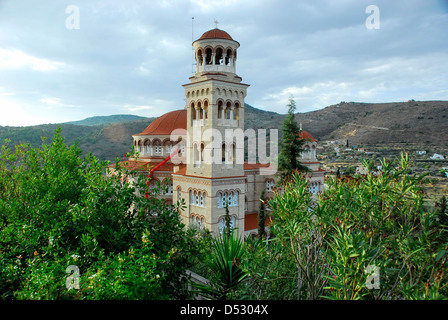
(420, 123)
(103, 120)
(413, 122)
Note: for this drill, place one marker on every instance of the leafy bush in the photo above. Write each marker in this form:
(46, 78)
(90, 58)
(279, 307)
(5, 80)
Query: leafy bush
(364, 237)
(59, 210)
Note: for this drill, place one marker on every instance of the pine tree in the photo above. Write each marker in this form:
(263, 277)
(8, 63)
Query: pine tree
(291, 145)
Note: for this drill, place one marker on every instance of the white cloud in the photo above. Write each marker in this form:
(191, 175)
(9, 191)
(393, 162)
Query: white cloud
(51, 100)
(14, 59)
(139, 108)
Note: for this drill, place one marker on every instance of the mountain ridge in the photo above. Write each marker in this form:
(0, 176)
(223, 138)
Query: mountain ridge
(412, 122)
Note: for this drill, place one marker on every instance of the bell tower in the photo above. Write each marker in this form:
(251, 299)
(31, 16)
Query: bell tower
(215, 104)
(215, 116)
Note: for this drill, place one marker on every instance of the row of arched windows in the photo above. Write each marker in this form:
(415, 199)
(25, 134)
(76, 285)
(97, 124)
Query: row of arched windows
(220, 92)
(228, 154)
(198, 198)
(156, 147)
(229, 110)
(229, 198)
(197, 221)
(161, 188)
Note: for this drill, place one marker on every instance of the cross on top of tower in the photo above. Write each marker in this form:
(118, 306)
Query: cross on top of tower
(216, 24)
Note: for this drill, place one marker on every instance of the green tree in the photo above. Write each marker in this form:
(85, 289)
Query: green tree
(58, 210)
(291, 145)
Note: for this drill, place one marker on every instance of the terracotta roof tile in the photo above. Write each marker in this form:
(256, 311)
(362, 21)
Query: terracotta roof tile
(307, 136)
(166, 123)
(215, 34)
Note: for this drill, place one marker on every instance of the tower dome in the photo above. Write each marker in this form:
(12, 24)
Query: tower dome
(215, 34)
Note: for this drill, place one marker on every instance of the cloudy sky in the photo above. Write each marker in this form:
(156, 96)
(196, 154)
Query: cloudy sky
(131, 57)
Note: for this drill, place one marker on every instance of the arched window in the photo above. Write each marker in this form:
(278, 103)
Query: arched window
(269, 185)
(223, 153)
(235, 199)
(157, 147)
(201, 199)
(202, 152)
(196, 198)
(191, 198)
(220, 109)
(140, 149)
(168, 148)
(179, 195)
(228, 110)
(224, 200)
(219, 200)
(169, 190)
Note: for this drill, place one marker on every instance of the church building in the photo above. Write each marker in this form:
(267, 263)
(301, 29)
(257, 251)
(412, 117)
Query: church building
(190, 149)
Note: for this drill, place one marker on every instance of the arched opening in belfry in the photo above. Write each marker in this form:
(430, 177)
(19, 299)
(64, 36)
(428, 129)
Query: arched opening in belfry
(219, 56)
(208, 56)
(228, 56)
(199, 57)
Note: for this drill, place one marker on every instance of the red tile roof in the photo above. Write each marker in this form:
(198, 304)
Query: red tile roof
(215, 34)
(166, 123)
(307, 136)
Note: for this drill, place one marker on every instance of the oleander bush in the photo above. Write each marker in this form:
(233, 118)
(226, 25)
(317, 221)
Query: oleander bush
(364, 237)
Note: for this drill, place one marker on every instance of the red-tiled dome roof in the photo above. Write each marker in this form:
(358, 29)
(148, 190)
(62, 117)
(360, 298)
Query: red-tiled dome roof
(165, 124)
(307, 136)
(215, 34)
